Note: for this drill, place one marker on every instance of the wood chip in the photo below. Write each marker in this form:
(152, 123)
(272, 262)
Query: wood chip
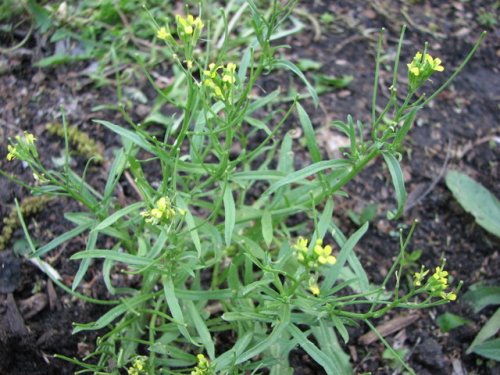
(387, 328)
(31, 306)
(54, 303)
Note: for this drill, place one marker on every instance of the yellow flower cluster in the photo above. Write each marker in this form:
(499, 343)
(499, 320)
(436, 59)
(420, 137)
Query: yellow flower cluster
(26, 143)
(436, 284)
(421, 68)
(188, 25)
(161, 212)
(203, 367)
(324, 253)
(138, 366)
(319, 256)
(162, 33)
(188, 30)
(220, 83)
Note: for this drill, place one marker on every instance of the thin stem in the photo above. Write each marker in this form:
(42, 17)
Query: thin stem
(377, 72)
(458, 70)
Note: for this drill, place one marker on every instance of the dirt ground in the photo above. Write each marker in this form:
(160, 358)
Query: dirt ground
(460, 130)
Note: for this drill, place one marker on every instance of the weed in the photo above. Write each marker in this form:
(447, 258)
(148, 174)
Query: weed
(217, 258)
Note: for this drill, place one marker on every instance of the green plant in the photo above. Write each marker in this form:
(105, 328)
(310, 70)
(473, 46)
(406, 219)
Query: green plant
(487, 19)
(484, 344)
(215, 256)
(476, 199)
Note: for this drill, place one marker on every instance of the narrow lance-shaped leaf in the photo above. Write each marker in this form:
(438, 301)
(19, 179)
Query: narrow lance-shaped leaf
(490, 329)
(334, 271)
(85, 263)
(110, 220)
(312, 145)
(267, 227)
(398, 182)
(293, 68)
(230, 214)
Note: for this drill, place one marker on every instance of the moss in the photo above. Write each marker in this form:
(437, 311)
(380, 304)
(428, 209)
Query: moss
(84, 145)
(29, 206)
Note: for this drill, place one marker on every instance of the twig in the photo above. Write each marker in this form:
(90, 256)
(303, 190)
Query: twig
(434, 182)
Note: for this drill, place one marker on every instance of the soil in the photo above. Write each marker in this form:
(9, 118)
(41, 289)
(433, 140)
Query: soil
(459, 130)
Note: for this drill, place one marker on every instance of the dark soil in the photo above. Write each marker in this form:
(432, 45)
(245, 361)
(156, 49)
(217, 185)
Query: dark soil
(458, 131)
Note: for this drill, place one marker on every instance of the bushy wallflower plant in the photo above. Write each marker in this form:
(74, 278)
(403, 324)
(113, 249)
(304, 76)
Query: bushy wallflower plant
(217, 261)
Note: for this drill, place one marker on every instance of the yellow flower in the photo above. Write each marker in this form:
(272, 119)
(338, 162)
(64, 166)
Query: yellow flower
(218, 92)
(203, 367)
(449, 296)
(229, 73)
(421, 68)
(301, 244)
(162, 33)
(441, 276)
(212, 70)
(324, 253)
(414, 70)
(434, 63)
(314, 288)
(162, 211)
(13, 154)
(30, 138)
(419, 276)
(138, 366)
(189, 24)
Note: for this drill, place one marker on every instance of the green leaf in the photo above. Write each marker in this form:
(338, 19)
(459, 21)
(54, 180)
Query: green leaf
(312, 145)
(190, 224)
(115, 172)
(130, 135)
(476, 199)
(201, 328)
(308, 64)
(271, 339)
(318, 355)
(85, 263)
(480, 296)
(286, 155)
(226, 359)
(489, 330)
(302, 174)
(259, 124)
(58, 59)
(41, 15)
(323, 81)
(489, 349)
(449, 321)
(398, 182)
(230, 214)
(334, 271)
(175, 307)
(266, 175)
(62, 239)
(113, 314)
(326, 218)
(110, 220)
(106, 275)
(267, 227)
(293, 68)
(341, 329)
(329, 344)
(117, 256)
